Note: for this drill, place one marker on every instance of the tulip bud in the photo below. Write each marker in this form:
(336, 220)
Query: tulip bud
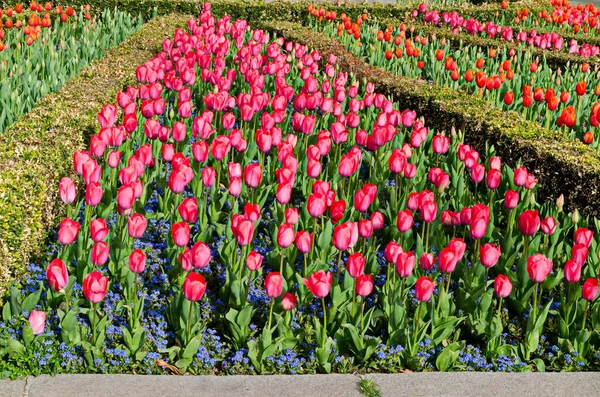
(194, 287)
(254, 261)
(137, 261)
(288, 301)
(273, 284)
(364, 285)
(502, 286)
(424, 288)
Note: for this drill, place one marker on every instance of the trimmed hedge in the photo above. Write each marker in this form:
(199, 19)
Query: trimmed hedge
(297, 10)
(562, 165)
(554, 59)
(37, 150)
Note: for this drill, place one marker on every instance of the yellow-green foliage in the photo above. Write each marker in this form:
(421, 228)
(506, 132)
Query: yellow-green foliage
(37, 150)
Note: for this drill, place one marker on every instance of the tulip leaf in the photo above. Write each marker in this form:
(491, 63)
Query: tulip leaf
(192, 347)
(31, 300)
(6, 314)
(446, 359)
(28, 335)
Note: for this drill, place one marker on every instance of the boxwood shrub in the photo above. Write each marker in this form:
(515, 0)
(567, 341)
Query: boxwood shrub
(563, 165)
(37, 150)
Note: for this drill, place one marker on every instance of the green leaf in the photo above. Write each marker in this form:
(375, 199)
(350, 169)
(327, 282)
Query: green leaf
(32, 300)
(192, 347)
(446, 359)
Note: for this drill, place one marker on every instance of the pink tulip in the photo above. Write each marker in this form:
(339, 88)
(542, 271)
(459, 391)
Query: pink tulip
(37, 321)
(319, 283)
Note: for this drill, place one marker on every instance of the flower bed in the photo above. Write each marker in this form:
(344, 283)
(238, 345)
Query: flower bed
(484, 125)
(40, 55)
(35, 152)
(247, 210)
(511, 80)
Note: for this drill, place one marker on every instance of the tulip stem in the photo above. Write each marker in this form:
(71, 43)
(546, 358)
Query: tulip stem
(281, 263)
(93, 323)
(362, 315)
(500, 310)
(535, 293)
(271, 313)
(324, 321)
(305, 265)
(569, 299)
(189, 323)
(585, 312)
(417, 321)
(339, 263)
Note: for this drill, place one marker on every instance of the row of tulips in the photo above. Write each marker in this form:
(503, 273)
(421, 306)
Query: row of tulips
(61, 51)
(578, 19)
(512, 80)
(490, 29)
(270, 173)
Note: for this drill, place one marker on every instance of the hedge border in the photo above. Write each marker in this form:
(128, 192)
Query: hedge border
(554, 59)
(286, 10)
(37, 150)
(562, 165)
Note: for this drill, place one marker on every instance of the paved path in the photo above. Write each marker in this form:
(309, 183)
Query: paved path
(412, 384)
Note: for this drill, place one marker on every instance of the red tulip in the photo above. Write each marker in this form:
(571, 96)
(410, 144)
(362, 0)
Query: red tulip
(397, 161)
(489, 255)
(274, 284)
(188, 210)
(94, 287)
(493, 178)
(68, 231)
(355, 264)
(440, 144)
(405, 263)
(291, 215)
(57, 275)
(362, 200)
(37, 321)
(316, 204)
(345, 235)
(424, 288)
(377, 220)
(511, 199)
(538, 267)
(100, 253)
(428, 211)
(98, 229)
(572, 271)
(458, 246)
(319, 283)
(253, 175)
(194, 287)
(589, 291)
(549, 225)
(426, 261)
(67, 190)
(404, 221)
(304, 241)
(364, 285)
(447, 260)
(579, 253)
(584, 236)
(480, 218)
(391, 252)
(365, 228)
(337, 210)
(252, 212)
(243, 229)
(502, 286)
(136, 225)
(288, 301)
(125, 198)
(201, 255)
(520, 176)
(180, 232)
(254, 261)
(137, 261)
(529, 222)
(285, 235)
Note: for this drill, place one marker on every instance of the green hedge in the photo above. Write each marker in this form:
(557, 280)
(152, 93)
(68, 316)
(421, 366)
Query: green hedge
(297, 10)
(554, 59)
(562, 165)
(37, 150)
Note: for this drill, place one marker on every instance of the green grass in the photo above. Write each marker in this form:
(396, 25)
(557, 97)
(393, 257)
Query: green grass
(369, 388)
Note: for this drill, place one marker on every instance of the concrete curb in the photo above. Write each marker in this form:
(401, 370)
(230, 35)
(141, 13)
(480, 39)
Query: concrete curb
(411, 384)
